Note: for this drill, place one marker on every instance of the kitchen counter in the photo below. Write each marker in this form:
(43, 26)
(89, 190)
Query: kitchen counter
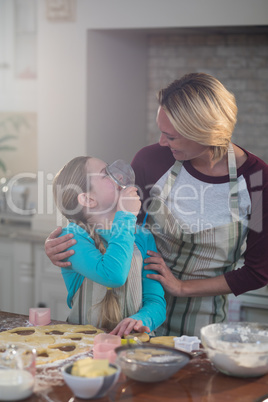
(22, 232)
(197, 381)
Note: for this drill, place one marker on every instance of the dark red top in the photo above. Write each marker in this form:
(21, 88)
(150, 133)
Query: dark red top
(151, 162)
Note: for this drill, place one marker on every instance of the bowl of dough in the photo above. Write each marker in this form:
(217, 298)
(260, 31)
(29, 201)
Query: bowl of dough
(150, 363)
(237, 349)
(90, 378)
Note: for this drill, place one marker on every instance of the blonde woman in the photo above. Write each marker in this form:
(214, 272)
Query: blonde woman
(209, 206)
(106, 283)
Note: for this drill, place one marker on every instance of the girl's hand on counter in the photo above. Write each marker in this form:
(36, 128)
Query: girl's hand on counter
(126, 326)
(55, 247)
(164, 275)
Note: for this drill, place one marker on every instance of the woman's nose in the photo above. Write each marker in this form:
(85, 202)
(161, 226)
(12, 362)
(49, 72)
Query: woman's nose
(163, 140)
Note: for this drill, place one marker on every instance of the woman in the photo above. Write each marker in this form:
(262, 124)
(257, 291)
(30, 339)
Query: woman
(209, 212)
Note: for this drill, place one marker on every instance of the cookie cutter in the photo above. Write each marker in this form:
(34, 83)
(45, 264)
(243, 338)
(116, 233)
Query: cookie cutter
(188, 343)
(104, 346)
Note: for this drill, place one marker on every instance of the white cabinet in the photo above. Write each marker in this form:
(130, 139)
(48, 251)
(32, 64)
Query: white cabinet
(23, 277)
(6, 268)
(18, 55)
(50, 290)
(251, 306)
(28, 279)
(16, 276)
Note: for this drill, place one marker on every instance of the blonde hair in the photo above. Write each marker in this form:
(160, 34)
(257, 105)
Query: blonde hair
(69, 182)
(201, 109)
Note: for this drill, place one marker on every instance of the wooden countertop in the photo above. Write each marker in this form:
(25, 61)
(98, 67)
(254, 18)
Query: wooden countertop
(197, 381)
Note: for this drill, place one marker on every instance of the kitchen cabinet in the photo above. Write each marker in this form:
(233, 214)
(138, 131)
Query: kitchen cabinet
(23, 277)
(6, 283)
(27, 277)
(251, 306)
(50, 290)
(16, 276)
(18, 55)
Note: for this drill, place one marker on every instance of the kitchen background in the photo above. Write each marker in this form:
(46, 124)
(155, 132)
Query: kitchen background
(80, 77)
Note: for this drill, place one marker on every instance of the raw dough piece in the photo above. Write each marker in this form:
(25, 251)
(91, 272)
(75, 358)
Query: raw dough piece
(141, 336)
(52, 342)
(163, 340)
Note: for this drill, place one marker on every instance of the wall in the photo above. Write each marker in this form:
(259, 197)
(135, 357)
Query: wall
(117, 96)
(239, 59)
(63, 96)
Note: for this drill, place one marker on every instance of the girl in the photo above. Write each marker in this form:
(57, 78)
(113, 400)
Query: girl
(106, 281)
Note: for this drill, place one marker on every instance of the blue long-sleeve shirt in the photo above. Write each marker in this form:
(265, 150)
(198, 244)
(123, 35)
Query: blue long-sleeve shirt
(111, 269)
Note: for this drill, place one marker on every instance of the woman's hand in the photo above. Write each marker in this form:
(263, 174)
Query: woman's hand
(156, 263)
(129, 200)
(55, 247)
(127, 325)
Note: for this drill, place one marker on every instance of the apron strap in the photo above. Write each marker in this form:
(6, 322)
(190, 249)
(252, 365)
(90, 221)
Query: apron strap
(171, 179)
(234, 206)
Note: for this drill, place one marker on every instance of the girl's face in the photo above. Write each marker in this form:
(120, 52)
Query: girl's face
(102, 187)
(182, 148)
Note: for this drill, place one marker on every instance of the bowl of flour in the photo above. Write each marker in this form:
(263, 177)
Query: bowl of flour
(237, 349)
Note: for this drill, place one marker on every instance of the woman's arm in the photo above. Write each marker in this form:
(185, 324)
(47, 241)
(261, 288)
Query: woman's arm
(57, 247)
(187, 288)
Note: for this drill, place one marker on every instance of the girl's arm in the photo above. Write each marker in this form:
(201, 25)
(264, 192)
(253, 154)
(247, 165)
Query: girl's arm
(110, 269)
(153, 311)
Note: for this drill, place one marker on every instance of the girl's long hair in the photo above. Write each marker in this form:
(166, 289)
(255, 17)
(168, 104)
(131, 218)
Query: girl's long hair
(72, 180)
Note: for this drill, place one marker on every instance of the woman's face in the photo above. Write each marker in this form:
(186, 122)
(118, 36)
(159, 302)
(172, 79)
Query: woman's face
(103, 188)
(182, 148)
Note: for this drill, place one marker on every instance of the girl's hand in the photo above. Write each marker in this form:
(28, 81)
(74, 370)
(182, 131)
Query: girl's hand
(127, 325)
(129, 200)
(156, 263)
(55, 247)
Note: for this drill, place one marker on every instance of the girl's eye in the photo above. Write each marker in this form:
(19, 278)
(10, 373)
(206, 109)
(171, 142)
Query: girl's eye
(105, 174)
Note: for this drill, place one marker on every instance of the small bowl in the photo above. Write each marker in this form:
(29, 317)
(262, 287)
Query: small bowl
(150, 363)
(237, 349)
(87, 388)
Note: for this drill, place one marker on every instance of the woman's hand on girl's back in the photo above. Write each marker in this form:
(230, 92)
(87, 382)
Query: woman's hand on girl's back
(163, 273)
(127, 325)
(55, 247)
(129, 200)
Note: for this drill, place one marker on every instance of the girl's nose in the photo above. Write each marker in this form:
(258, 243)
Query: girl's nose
(163, 140)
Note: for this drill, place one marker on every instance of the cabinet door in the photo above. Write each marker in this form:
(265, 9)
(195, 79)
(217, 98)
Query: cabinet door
(18, 61)
(50, 290)
(6, 269)
(23, 279)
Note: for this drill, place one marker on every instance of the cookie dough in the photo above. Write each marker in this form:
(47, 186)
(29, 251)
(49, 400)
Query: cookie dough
(52, 342)
(163, 340)
(141, 336)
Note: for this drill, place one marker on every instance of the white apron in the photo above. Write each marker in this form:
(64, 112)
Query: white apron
(84, 303)
(200, 255)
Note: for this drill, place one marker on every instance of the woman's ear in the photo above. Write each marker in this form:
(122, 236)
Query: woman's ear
(86, 200)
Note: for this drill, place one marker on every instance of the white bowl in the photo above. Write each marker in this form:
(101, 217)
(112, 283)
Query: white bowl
(160, 363)
(238, 349)
(87, 388)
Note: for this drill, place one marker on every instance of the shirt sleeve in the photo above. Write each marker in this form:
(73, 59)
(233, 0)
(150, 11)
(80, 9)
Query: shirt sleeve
(110, 269)
(254, 273)
(153, 311)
